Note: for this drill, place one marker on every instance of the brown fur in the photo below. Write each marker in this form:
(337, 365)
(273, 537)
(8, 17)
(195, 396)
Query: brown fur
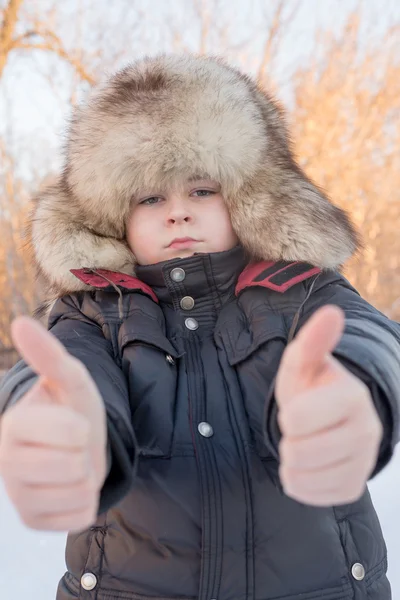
(159, 121)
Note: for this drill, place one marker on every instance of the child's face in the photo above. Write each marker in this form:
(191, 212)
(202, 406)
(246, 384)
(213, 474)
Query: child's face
(194, 210)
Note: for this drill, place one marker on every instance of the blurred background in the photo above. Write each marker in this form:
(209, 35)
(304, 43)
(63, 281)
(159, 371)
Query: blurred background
(335, 67)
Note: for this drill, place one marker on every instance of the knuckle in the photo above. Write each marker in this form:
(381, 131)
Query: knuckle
(377, 428)
(285, 417)
(7, 468)
(29, 519)
(70, 465)
(288, 452)
(285, 476)
(289, 357)
(352, 496)
(76, 427)
(8, 423)
(363, 389)
(87, 491)
(5, 460)
(83, 519)
(370, 431)
(78, 466)
(361, 395)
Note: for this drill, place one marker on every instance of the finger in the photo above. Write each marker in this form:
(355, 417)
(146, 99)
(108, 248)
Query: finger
(37, 394)
(46, 425)
(306, 355)
(318, 409)
(36, 465)
(45, 354)
(334, 497)
(49, 500)
(69, 521)
(321, 450)
(341, 482)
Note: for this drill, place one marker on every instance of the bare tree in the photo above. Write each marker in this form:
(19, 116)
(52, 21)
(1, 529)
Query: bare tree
(36, 37)
(278, 26)
(347, 125)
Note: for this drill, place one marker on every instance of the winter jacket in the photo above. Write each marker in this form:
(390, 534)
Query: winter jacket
(185, 353)
(193, 506)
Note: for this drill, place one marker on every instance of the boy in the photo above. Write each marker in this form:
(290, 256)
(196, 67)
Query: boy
(197, 417)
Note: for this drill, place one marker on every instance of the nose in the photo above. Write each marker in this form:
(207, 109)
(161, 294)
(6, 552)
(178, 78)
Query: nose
(178, 211)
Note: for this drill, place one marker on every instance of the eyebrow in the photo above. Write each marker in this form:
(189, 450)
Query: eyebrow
(200, 177)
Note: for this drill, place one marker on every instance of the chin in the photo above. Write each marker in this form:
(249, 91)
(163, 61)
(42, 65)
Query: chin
(185, 252)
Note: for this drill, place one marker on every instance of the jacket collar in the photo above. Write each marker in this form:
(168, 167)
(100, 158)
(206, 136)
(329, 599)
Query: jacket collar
(209, 279)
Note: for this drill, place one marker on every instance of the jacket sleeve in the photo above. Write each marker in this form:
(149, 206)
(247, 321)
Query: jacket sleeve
(369, 348)
(84, 339)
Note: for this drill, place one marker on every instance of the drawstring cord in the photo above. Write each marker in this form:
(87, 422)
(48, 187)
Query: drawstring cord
(120, 299)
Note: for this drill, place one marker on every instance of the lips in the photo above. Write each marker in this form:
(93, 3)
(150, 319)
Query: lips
(182, 242)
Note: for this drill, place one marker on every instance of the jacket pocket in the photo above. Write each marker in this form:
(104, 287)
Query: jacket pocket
(256, 367)
(70, 589)
(364, 548)
(150, 363)
(342, 592)
(110, 595)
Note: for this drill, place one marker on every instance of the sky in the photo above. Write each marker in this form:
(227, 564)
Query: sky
(34, 103)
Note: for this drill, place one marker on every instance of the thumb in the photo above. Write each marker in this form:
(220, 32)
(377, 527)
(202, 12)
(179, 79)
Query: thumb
(38, 394)
(64, 380)
(306, 356)
(46, 355)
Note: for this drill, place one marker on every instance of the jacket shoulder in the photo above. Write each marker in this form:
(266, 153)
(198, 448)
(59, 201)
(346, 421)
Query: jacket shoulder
(276, 276)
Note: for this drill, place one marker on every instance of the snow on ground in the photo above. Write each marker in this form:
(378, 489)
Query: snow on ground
(31, 563)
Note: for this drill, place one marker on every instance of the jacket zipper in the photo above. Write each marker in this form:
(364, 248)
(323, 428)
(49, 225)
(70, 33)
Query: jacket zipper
(211, 500)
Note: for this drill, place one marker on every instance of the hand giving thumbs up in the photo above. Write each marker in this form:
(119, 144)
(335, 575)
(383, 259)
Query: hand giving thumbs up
(331, 431)
(53, 440)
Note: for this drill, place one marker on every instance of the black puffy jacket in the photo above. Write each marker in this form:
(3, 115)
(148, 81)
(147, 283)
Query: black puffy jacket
(192, 506)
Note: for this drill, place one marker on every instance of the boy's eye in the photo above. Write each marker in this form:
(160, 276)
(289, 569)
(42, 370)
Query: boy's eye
(203, 192)
(199, 193)
(152, 200)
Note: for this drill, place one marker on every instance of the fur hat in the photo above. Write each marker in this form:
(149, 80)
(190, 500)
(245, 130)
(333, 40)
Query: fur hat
(163, 119)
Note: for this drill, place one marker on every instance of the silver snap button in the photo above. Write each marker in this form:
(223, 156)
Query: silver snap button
(205, 429)
(358, 571)
(88, 581)
(191, 324)
(178, 274)
(187, 303)
(170, 359)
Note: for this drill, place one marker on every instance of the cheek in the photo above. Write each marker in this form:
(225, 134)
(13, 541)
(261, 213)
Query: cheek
(138, 232)
(223, 223)
(220, 230)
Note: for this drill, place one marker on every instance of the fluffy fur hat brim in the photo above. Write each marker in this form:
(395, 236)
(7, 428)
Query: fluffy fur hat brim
(159, 121)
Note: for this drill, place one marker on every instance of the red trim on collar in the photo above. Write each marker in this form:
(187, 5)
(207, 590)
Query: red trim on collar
(253, 270)
(120, 279)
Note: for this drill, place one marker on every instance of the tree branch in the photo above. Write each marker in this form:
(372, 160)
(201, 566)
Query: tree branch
(51, 42)
(10, 18)
(62, 53)
(278, 23)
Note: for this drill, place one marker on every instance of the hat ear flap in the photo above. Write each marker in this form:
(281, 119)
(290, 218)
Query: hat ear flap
(60, 240)
(282, 215)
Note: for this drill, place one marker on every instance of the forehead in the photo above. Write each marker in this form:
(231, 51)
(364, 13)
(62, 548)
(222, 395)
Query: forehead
(198, 177)
(193, 178)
